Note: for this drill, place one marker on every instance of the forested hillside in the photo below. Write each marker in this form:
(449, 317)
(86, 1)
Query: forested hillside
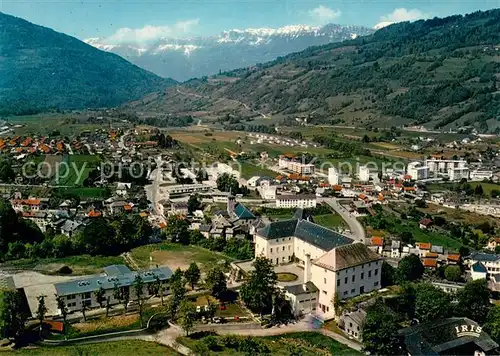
(442, 73)
(42, 69)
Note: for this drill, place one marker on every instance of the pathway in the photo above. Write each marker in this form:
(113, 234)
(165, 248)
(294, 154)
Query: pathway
(357, 230)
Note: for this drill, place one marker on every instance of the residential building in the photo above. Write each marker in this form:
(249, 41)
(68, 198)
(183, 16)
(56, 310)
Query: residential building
(364, 174)
(290, 163)
(458, 173)
(185, 189)
(303, 298)
(283, 241)
(479, 175)
(267, 192)
(296, 201)
(353, 323)
(344, 272)
(82, 291)
(441, 166)
(417, 171)
(333, 176)
(490, 261)
(40, 218)
(31, 204)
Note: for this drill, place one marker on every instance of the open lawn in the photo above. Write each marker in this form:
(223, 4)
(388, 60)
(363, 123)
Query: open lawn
(80, 265)
(249, 170)
(304, 343)
(76, 169)
(86, 193)
(175, 256)
(487, 187)
(330, 221)
(122, 347)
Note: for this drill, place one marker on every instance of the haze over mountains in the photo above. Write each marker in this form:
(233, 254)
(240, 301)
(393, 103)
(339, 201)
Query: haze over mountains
(183, 59)
(42, 69)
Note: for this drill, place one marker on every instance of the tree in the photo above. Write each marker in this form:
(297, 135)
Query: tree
(12, 316)
(84, 310)
(61, 305)
(431, 303)
(40, 312)
(117, 293)
(159, 288)
(282, 309)
(187, 316)
(108, 306)
(257, 292)
(178, 294)
(7, 174)
(473, 301)
(192, 274)
(410, 268)
(194, 203)
(453, 273)
(387, 274)
(212, 309)
(380, 331)
(139, 293)
(215, 281)
(99, 296)
(177, 229)
(228, 183)
(492, 325)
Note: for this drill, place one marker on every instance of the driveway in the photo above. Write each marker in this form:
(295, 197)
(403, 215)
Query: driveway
(355, 226)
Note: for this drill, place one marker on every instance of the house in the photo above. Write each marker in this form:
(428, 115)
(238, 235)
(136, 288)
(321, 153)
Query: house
(377, 243)
(478, 271)
(118, 207)
(70, 227)
(425, 223)
(303, 298)
(178, 208)
(296, 201)
(493, 242)
(32, 204)
(430, 262)
(395, 249)
(423, 248)
(353, 323)
(40, 218)
(122, 189)
(489, 260)
(79, 292)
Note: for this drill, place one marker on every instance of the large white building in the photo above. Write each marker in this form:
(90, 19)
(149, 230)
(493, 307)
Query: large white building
(291, 164)
(479, 175)
(296, 201)
(333, 176)
(441, 166)
(458, 173)
(364, 174)
(331, 261)
(417, 171)
(81, 292)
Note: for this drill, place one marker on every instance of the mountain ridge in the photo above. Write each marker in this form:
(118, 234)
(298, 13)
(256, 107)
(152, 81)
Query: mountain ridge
(185, 58)
(44, 69)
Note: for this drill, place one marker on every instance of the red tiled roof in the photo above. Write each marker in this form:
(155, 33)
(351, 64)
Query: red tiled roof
(94, 214)
(424, 245)
(430, 262)
(377, 241)
(454, 257)
(431, 255)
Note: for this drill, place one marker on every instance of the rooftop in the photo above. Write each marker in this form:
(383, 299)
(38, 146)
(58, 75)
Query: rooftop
(486, 257)
(307, 231)
(242, 212)
(347, 256)
(299, 289)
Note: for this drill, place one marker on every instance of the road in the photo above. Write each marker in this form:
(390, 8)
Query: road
(355, 226)
(153, 189)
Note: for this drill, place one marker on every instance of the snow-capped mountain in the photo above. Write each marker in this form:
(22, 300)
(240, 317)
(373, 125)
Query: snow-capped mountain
(186, 58)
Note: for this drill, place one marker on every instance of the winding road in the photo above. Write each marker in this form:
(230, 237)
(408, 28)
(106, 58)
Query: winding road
(355, 226)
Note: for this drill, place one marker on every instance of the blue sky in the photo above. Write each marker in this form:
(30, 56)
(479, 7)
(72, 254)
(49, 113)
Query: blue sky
(124, 20)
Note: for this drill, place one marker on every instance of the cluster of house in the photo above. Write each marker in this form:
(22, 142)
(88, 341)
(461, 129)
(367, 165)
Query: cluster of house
(259, 138)
(432, 256)
(67, 218)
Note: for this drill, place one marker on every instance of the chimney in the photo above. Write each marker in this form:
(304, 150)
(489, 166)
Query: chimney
(307, 268)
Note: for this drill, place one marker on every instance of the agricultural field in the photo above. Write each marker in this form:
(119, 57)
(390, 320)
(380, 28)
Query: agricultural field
(76, 169)
(122, 347)
(175, 256)
(85, 193)
(249, 170)
(304, 343)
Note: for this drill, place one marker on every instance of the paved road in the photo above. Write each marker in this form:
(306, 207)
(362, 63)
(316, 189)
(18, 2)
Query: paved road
(355, 226)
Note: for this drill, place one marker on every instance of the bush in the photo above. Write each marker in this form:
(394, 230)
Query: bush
(212, 343)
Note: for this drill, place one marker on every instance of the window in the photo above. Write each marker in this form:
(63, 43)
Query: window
(70, 297)
(369, 274)
(350, 325)
(283, 258)
(353, 291)
(289, 247)
(271, 250)
(345, 280)
(375, 284)
(283, 248)
(324, 280)
(345, 293)
(376, 272)
(86, 303)
(324, 292)
(86, 295)
(327, 309)
(353, 278)
(338, 282)
(362, 275)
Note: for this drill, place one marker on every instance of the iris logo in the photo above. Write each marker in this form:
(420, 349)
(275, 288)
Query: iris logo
(468, 330)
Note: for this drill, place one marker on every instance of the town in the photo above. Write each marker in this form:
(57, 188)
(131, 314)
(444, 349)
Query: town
(135, 221)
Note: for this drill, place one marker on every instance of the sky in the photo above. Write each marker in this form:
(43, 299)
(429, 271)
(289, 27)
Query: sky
(122, 21)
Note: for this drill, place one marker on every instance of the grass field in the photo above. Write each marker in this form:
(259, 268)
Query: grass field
(80, 265)
(330, 221)
(123, 347)
(86, 193)
(76, 169)
(249, 170)
(304, 343)
(175, 256)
